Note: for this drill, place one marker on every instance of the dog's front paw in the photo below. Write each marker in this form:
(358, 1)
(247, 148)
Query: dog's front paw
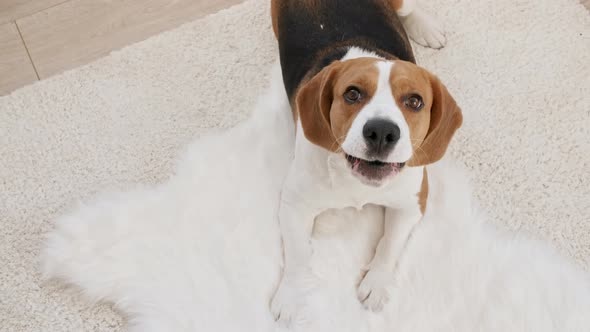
(288, 305)
(283, 305)
(373, 291)
(424, 29)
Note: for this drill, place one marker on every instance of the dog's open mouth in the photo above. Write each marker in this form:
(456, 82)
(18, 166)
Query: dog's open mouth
(374, 171)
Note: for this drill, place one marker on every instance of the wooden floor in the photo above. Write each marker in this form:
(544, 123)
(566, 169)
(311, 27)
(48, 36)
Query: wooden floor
(40, 38)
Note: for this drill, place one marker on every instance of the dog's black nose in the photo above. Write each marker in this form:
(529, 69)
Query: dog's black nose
(380, 136)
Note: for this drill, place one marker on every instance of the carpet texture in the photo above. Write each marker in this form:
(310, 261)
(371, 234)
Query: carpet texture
(518, 69)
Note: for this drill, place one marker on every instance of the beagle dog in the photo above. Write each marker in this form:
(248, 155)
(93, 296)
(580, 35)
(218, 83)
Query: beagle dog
(368, 121)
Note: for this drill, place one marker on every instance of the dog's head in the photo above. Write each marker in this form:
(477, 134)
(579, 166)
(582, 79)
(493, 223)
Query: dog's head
(379, 115)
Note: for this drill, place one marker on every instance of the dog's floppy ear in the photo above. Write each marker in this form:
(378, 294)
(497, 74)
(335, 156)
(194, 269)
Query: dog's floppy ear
(314, 101)
(445, 119)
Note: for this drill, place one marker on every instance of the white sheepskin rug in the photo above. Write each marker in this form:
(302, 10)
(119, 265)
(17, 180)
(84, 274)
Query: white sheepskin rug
(202, 251)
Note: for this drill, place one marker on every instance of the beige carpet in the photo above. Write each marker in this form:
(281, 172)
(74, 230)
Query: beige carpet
(518, 68)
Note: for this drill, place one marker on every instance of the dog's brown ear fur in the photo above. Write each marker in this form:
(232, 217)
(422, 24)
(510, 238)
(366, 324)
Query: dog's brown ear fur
(445, 119)
(314, 102)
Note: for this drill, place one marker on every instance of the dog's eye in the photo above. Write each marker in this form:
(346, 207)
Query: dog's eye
(352, 95)
(414, 102)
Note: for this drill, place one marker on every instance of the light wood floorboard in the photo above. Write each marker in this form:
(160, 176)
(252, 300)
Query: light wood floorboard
(11, 10)
(15, 66)
(79, 31)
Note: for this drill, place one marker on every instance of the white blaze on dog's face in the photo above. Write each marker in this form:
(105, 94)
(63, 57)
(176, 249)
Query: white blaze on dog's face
(380, 115)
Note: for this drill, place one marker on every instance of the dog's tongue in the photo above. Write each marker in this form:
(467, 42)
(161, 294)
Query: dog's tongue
(356, 164)
(375, 172)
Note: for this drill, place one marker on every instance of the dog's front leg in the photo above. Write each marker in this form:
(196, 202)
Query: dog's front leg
(373, 290)
(296, 220)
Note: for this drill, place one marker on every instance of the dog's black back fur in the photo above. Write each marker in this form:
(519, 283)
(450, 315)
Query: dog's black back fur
(314, 33)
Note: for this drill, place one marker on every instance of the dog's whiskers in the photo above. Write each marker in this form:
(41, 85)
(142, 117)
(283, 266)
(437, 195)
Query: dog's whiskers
(418, 148)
